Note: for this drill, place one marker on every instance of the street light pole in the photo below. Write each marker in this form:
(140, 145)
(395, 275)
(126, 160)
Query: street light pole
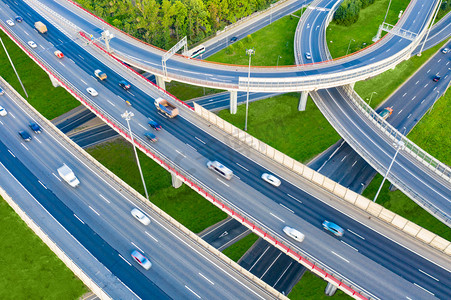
(127, 116)
(429, 30)
(349, 45)
(278, 56)
(371, 97)
(400, 147)
(388, 8)
(14, 68)
(249, 52)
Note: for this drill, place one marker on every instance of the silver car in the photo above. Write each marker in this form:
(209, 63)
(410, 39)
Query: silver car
(140, 216)
(271, 179)
(294, 234)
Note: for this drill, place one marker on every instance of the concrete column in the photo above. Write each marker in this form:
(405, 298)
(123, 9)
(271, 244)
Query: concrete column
(176, 182)
(55, 82)
(351, 85)
(303, 101)
(160, 81)
(233, 101)
(330, 289)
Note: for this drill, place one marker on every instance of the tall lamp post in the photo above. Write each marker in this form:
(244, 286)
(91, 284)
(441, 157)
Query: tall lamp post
(249, 52)
(400, 146)
(127, 116)
(14, 68)
(388, 8)
(349, 45)
(278, 56)
(371, 97)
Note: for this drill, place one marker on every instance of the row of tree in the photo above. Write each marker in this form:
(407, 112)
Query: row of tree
(348, 12)
(163, 22)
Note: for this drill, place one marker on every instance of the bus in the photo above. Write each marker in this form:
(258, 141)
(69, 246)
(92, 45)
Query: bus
(196, 51)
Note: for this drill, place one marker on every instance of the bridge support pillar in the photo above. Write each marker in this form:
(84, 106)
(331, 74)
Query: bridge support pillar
(303, 101)
(233, 101)
(160, 82)
(351, 85)
(55, 82)
(176, 182)
(330, 289)
(392, 188)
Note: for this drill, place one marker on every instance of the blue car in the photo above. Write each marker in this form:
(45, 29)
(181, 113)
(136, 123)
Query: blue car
(334, 228)
(35, 127)
(125, 85)
(154, 125)
(151, 136)
(25, 136)
(18, 19)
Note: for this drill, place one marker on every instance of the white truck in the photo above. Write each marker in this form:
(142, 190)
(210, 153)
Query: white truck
(68, 175)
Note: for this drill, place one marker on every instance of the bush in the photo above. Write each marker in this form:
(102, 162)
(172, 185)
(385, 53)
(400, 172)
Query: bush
(348, 12)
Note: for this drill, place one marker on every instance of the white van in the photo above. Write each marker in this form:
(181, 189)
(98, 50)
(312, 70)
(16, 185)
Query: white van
(220, 169)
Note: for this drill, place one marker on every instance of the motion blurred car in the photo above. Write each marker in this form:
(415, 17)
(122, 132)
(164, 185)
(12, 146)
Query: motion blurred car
(58, 54)
(141, 259)
(140, 216)
(3, 111)
(154, 125)
(334, 228)
(125, 85)
(32, 44)
(436, 78)
(18, 19)
(294, 234)
(1, 91)
(386, 112)
(35, 127)
(10, 22)
(271, 179)
(151, 137)
(25, 135)
(445, 50)
(308, 55)
(92, 91)
(233, 39)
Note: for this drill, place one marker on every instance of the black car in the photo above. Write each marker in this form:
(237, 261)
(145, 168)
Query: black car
(233, 39)
(125, 85)
(25, 135)
(154, 125)
(436, 78)
(18, 19)
(35, 127)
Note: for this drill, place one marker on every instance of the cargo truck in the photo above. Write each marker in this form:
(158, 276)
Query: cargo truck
(165, 107)
(40, 27)
(68, 175)
(101, 75)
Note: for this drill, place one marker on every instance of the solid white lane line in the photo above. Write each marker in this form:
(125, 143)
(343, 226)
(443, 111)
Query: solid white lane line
(94, 210)
(151, 236)
(286, 208)
(283, 273)
(200, 140)
(270, 266)
(211, 282)
(125, 260)
(242, 167)
(356, 234)
(180, 153)
(350, 246)
(192, 292)
(259, 258)
(42, 184)
(223, 182)
(276, 217)
(340, 257)
(104, 198)
(294, 198)
(137, 247)
(79, 219)
(428, 275)
(424, 289)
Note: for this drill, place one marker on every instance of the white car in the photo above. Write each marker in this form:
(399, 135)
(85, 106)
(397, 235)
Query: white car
(10, 22)
(308, 55)
(140, 216)
(445, 50)
(294, 234)
(32, 44)
(271, 179)
(3, 111)
(141, 259)
(92, 91)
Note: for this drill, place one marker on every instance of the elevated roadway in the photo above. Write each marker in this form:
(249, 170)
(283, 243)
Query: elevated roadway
(188, 143)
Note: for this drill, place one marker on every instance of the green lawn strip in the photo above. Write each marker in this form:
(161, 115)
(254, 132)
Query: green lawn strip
(237, 250)
(183, 204)
(402, 205)
(51, 102)
(29, 269)
(363, 31)
(312, 287)
(185, 91)
(386, 83)
(277, 122)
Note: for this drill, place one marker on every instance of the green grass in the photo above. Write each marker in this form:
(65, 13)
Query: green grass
(363, 31)
(49, 101)
(183, 204)
(29, 269)
(237, 250)
(277, 122)
(185, 91)
(312, 287)
(269, 42)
